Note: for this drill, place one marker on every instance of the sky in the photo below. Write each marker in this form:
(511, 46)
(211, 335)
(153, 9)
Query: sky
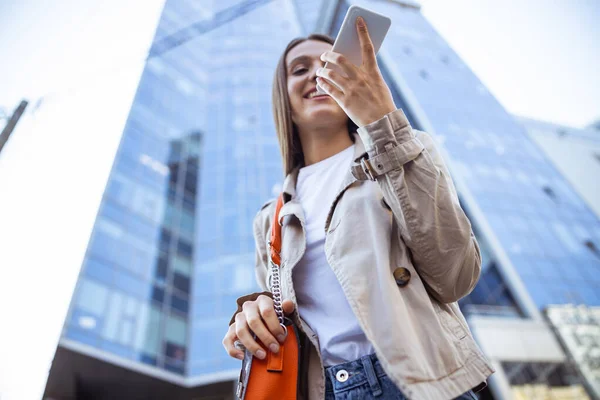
(539, 58)
(83, 58)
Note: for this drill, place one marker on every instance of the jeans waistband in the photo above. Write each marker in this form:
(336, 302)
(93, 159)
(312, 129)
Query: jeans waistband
(350, 374)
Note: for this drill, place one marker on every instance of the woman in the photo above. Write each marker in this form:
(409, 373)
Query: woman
(380, 248)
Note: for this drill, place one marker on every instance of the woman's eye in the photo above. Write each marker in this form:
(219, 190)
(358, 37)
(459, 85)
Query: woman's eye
(298, 71)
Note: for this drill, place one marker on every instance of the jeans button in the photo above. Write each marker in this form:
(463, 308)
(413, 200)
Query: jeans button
(342, 375)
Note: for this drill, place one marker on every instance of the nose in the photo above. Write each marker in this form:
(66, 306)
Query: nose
(313, 73)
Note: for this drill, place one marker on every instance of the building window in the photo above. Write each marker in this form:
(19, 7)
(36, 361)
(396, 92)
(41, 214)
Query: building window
(181, 282)
(175, 331)
(399, 99)
(566, 237)
(491, 296)
(550, 193)
(591, 246)
(92, 297)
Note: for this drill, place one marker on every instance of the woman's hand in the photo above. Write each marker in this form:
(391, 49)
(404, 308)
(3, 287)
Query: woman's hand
(257, 316)
(363, 95)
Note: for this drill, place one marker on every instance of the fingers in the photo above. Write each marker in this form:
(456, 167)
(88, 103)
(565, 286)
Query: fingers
(333, 77)
(258, 318)
(288, 306)
(341, 61)
(368, 50)
(244, 334)
(228, 343)
(265, 307)
(251, 320)
(331, 90)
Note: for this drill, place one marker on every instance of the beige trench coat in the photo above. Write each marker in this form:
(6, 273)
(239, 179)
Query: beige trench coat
(404, 253)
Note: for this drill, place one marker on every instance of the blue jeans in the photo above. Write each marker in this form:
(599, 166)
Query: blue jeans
(365, 379)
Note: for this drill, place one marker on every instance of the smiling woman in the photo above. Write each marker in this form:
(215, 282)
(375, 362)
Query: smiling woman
(297, 66)
(379, 245)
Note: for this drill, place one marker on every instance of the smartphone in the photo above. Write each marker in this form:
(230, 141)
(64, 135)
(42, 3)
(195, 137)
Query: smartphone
(347, 42)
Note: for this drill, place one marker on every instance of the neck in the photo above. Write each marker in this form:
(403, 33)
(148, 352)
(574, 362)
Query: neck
(323, 142)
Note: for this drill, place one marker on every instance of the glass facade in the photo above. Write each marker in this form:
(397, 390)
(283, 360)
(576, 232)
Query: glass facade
(309, 13)
(538, 218)
(172, 246)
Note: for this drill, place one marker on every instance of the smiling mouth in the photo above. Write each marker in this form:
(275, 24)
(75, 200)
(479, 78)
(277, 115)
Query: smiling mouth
(314, 94)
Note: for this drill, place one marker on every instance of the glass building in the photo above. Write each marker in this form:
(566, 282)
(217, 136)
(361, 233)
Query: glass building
(574, 151)
(172, 245)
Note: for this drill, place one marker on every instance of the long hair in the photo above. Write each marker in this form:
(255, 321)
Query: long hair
(287, 132)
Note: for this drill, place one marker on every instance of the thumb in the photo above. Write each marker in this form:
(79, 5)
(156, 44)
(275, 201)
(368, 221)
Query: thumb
(288, 306)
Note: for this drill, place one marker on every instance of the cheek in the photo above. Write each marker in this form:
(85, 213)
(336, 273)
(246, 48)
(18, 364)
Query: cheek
(294, 94)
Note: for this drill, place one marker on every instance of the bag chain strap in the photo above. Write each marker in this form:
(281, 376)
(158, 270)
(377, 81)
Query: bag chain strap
(276, 291)
(274, 246)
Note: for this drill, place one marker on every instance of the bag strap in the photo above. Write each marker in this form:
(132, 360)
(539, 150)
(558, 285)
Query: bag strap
(275, 242)
(275, 262)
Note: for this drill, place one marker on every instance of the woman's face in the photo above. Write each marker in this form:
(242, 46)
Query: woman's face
(302, 63)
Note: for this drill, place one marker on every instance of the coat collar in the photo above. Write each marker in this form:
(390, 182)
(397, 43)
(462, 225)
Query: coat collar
(289, 184)
(291, 206)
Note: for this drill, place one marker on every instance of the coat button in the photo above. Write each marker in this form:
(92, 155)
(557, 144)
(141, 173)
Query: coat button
(402, 276)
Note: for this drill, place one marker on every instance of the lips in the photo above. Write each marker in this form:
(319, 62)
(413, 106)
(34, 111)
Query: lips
(310, 92)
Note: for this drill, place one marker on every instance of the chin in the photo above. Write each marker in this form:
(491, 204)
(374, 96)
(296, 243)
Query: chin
(333, 112)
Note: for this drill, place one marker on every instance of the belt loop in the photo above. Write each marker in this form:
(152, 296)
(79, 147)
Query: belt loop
(371, 376)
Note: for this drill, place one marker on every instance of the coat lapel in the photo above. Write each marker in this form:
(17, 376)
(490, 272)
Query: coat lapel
(349, 178)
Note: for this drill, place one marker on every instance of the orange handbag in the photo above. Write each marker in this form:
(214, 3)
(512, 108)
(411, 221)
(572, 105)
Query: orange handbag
(275, 377)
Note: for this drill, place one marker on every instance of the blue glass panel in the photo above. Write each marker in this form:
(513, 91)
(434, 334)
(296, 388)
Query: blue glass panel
(87, 322)
(184, 248)
(206, 252)
(82, 336)
(181, 282)
(117, 349)
(180, 304)
(158, 295)
(162, 269)
(99, 271)
(479, 295)
(175, 366)
(147, 359)
(130, 284)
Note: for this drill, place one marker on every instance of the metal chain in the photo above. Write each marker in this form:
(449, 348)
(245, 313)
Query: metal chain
(276, 290)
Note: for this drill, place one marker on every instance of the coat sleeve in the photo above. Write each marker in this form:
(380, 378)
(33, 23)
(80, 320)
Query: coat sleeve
(261, 221)
(418, 188)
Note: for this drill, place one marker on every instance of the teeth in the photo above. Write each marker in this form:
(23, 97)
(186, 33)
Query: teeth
(313, 94)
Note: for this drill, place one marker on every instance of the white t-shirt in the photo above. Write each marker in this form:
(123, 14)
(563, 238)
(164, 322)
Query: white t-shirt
(321, 301)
